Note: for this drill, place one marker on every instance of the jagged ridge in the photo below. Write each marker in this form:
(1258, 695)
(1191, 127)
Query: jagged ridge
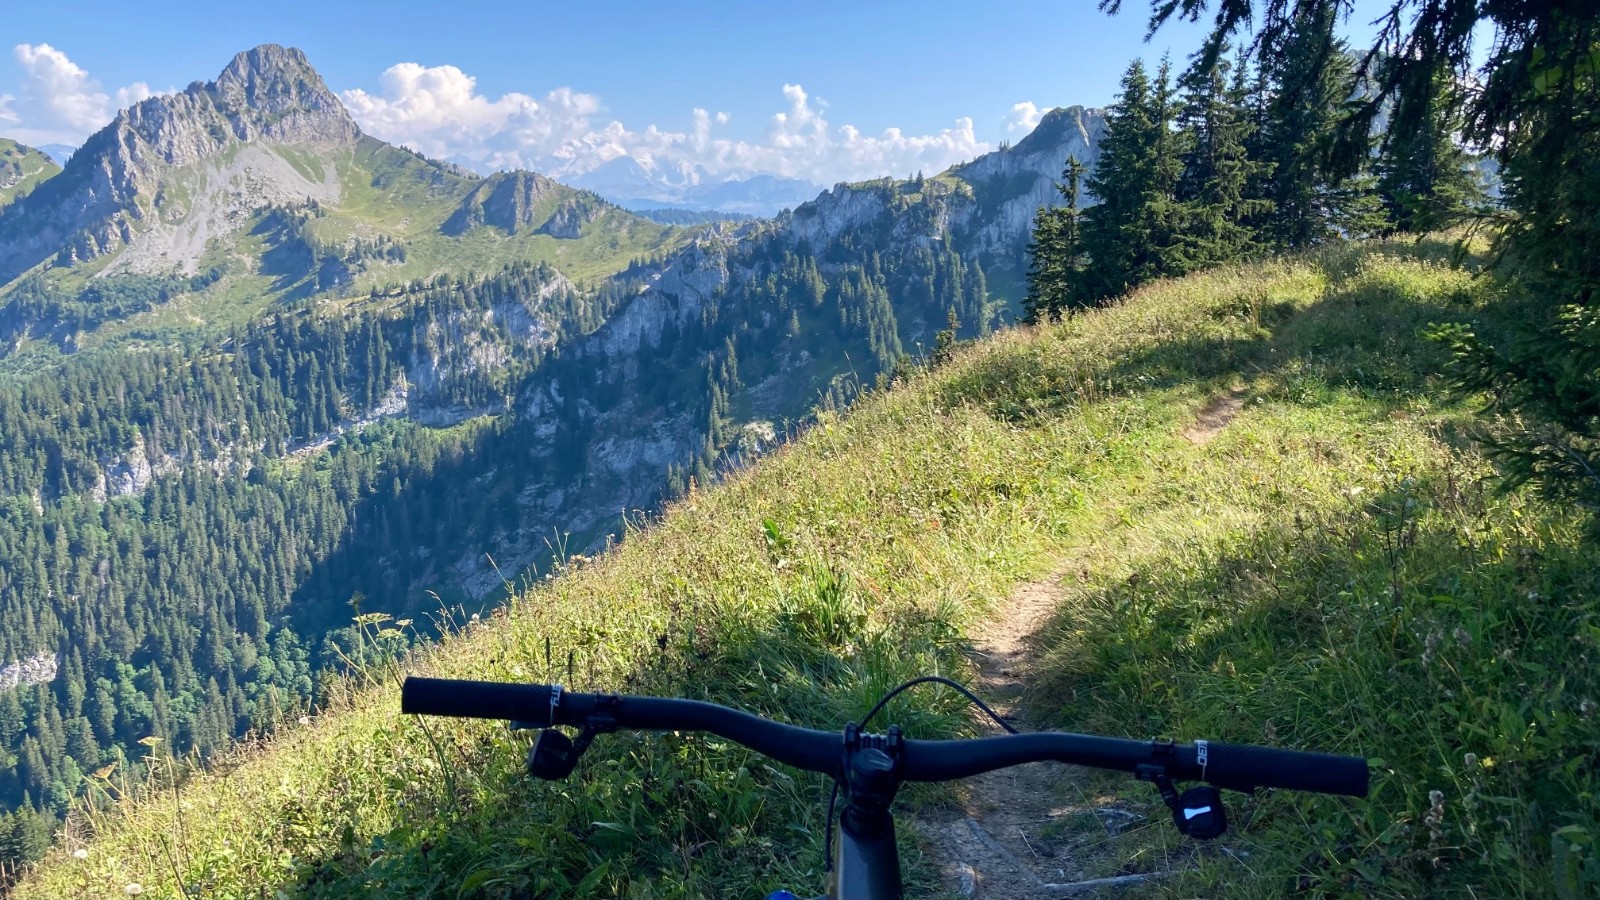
(526, 202)
(105, 194)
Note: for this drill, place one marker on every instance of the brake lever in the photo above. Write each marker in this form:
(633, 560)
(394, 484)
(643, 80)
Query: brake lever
(553, 755)
(1199, 813)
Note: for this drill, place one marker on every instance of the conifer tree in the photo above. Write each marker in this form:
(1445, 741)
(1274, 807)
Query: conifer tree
(1536, 106)
(1131, 232)
(1218, 191)
(1309, 77)
(1426, 179)
(1055, 274)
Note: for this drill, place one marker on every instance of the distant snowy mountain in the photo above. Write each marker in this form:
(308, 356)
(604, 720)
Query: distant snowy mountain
(635, 184)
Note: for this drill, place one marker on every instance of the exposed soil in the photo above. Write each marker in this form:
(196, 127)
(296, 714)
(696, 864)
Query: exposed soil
(1040, 831)
(1215, 416)
(1031, 831)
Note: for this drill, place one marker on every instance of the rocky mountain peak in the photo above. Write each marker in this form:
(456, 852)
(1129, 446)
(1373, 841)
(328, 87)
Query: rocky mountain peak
(217, 134)
(270, 93)
(992, 215)
(276, 90)
(517, 202)
(1065, 127)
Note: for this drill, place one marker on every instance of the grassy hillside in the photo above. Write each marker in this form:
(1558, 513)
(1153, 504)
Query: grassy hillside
(21, 169)
(1330, 571)
(386, 230)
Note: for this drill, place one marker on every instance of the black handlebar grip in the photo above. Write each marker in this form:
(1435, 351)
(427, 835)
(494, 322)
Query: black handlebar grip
(1241, 767)
(530, 703)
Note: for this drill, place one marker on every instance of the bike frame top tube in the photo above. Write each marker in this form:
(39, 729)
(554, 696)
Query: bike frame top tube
(866, 860)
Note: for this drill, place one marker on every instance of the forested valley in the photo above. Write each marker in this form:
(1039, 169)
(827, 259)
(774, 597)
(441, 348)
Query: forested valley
(328, 462)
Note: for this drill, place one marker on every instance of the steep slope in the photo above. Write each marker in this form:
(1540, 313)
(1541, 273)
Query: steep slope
(1019, 180)
(229, 499)
(727, 342)
(1320, 575)
(22, 168)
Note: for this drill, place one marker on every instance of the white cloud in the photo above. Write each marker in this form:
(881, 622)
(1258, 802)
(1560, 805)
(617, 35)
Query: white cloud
(133, 93)
(60, 102)
(1023, 118)
(439, 111)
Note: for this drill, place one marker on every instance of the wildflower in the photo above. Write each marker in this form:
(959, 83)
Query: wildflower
(1429, 645)
(1461, 636)
(1587, 707)
(305, 720)
(1470, 760)
(80, 853)
(1435, 817)
(133, 889)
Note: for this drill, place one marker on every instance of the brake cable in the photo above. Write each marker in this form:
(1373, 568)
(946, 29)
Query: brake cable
(833, 795)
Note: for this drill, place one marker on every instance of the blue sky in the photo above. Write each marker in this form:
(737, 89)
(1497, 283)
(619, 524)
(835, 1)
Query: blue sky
(863, 88)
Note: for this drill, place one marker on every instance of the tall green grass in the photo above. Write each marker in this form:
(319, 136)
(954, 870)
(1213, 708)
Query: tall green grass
(1332, 571)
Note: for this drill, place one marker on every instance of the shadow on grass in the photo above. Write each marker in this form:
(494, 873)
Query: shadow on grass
(1364, 335)
(666, 814)
(1430, 627)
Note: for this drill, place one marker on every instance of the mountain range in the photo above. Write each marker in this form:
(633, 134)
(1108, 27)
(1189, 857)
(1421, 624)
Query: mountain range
(637, 185)
(209, 179)
(257, 366)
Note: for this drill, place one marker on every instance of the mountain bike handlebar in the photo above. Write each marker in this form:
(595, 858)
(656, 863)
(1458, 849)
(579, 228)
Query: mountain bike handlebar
(1234, 766)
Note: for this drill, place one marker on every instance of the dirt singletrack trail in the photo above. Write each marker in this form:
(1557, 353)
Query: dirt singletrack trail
(1033, 831)
(1039, 831)
(1215, 416)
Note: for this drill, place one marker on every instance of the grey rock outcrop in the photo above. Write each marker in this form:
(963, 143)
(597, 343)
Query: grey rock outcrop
(1016, 181)
(519, 202)
(40, 668)
(989, 205)
(111, 190)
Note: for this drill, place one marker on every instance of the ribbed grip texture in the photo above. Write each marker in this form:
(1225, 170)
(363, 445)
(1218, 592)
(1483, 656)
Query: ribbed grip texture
(1244, 767)
(477, 699)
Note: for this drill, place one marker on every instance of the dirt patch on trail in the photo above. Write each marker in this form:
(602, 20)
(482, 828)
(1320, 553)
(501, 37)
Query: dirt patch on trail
(1034, 831)
(1215, 416)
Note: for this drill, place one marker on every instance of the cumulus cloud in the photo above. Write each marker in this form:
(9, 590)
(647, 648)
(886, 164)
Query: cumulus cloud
(59, 101)
(1024, 117)
(439, 111)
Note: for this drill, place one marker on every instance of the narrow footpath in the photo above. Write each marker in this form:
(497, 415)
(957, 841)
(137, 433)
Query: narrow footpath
(1040, 830)
(1034, 831)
